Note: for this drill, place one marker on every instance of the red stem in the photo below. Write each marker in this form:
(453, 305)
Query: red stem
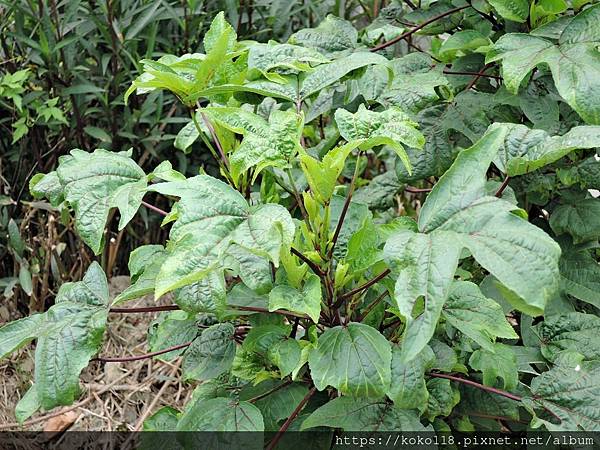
(144, 356)
(362, 287)
(415, 190)
(144, 309)
(477, 385)
(290, 419)
(502, 187)
(154, 208)
(418, 27)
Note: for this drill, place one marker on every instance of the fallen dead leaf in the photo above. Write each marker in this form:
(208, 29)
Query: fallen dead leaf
(62, 422)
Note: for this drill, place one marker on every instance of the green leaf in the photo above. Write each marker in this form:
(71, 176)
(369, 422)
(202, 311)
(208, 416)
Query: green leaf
(93, 183)
(322, 175)
(270, 144)
(475, 315)
(165, 419)
(28, 405)
(580, 275)
(211, 354)
(580, 219)
(327, 74)
(425, 266)
(186, 137)
(144, 265)
(526, 150)
(571, 392)
(47, 185)
(408, 389)
(515, 10)
(391, 127)
(171, 329)
(277, 405)
(354, 359)
(499, 363)
(413, 84)
(220, 33)
(464, 42)
(221, 414)
(329, 37)
(286, 355)
(269, 59)
(360, 414)
(443, 397)
(573, 62)
(573, 332)
(216, 230)
(306, 300)
(68, 335)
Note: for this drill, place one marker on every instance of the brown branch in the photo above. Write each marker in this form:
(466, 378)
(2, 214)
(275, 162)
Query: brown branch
(154, 208)
(483, 75)
(362, 287)
(415, 190)
(144, 356)
(265, 310)
(270, 391)
(371, 305)
(290, 419)
(502, 187)
(316, 269)
(493, 390)
(340, 224)
(144, 309)
(478, 76)
(418, 27)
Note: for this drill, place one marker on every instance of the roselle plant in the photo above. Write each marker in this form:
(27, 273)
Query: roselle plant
(391, 243)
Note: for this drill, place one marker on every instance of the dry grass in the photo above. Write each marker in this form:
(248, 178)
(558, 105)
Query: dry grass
(118, 396)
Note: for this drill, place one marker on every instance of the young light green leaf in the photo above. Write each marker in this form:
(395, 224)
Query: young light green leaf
(270, 144)
(305, 301)
(216, 229)
(391, 127)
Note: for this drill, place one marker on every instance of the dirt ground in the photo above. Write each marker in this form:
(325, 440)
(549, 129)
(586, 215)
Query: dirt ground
(117, 396)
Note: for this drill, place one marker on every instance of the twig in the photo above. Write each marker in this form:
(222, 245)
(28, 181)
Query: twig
(316, 269)
(371, 305)
(362, 287)
(290, 419)
(265, 310)
(493, 390)
(415, 190)
(144, 356)
(270, 391)
(483, 75)
(418, 27)
(340, 224)
(151, 406)
(154, 208)
(144, 309)
(7, 426)
(502, 187)
(215, 138)
(478, 76)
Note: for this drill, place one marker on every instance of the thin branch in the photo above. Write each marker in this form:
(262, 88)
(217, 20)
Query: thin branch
(144, 309)
(483, 75)
(316, 269)
(418, 27)
(270, 391)
(371, 305)
(340, 223)
(478, 76)
(362, 287)
(493, 390)
(290, 419)
(144, 356)
(502, 187)
(415, 190)
(215, 139)
(265, 310)
(154, 208)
